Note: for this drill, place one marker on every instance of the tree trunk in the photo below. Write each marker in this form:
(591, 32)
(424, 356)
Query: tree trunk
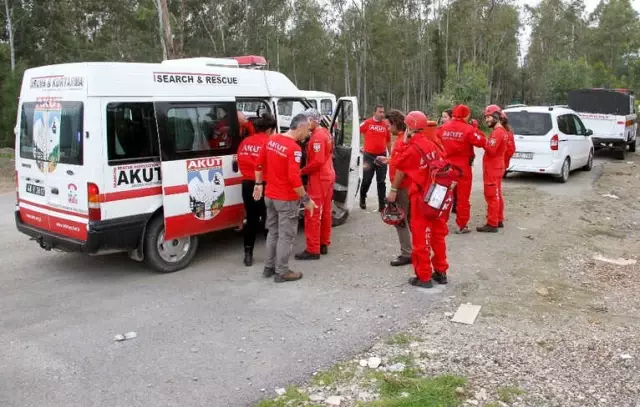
(12, 48)
(165, 52)
(166, 25)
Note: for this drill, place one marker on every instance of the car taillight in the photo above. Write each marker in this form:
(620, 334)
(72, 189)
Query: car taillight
(93, 199)
(554, 142)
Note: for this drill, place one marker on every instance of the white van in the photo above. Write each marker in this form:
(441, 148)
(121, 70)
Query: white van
(141, 158)
(324, 102)
(549, 140)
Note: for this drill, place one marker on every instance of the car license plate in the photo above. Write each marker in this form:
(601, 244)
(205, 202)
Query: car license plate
(35, 189)
(523, 156)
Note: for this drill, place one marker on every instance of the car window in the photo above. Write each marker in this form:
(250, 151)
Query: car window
(132, 134)
(526, 123)
(580, 129)
(566, 124)
(326, 107)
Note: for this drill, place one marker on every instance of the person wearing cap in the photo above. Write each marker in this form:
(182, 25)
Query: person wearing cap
(279, 163)
(321, 178)
(426, 234)
(459, 138)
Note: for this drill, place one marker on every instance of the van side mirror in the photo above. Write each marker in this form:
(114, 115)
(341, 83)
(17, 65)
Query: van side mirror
(589, 133)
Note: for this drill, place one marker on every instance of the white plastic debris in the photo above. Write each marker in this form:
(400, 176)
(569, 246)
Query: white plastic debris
(612, 196)
(466, 314)
(363, 363)
(334, 401)
(124, 337)
(618, 262)
(374, 362)
(626, 356)
(280, 391)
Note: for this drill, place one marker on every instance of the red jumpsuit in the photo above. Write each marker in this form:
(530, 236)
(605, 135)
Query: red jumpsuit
(458, 139)
(322, 176)
(493, 171)
(426, 234)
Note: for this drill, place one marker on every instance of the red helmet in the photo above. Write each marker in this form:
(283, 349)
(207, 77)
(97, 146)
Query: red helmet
(461, 111)
(491, 109)
(392, 214)
(416, 120)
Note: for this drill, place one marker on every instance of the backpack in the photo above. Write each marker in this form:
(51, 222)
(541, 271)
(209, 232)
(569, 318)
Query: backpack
(438, 189)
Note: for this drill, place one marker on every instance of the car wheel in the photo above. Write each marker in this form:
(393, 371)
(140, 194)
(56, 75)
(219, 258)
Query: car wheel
(632, 146)
(589, 165)
(167, 256)
(339, 215)
(564, 171)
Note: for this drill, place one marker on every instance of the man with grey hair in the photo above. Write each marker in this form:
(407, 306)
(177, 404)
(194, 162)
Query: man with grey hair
(322, 176)
(279, 164)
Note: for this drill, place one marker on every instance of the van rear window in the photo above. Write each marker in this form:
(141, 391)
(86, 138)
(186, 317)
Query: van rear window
(529, 123)
(51, 132)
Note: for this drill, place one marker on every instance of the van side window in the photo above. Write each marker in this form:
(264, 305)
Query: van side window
(325, 107)
(564, 124)
(198, 129)
(52, 132)
(580, 129)
(132, 134)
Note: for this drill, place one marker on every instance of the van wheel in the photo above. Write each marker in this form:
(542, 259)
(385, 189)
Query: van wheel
(564, 171)
(632, 146)
(589, 165)
(620, 153)
(169, 256)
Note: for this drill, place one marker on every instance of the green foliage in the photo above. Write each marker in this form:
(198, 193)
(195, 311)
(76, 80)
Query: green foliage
(468, 87)
(399, 391)
(507, 394)
(563, 76)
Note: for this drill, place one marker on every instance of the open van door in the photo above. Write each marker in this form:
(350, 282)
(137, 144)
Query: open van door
(345, 131)
(201, 186)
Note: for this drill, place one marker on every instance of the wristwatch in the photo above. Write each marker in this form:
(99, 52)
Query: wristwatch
(305, 199)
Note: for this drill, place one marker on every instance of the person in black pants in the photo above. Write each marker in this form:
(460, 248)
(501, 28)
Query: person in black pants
(248, 153)
(377, 142)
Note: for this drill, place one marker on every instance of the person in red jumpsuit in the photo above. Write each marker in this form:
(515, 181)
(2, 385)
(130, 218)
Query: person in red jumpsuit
(426, 234)
(510, 149)
(322, 176)
(248, 154)
(493, 167)
(459, 138)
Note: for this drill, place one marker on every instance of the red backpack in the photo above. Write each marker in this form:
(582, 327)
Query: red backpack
(439, 186)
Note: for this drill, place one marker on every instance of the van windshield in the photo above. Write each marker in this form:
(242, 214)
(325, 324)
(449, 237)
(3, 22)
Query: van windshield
(530, 124)
(51, 132)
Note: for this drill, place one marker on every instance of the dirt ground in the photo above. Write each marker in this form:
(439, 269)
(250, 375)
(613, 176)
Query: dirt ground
(558, 326)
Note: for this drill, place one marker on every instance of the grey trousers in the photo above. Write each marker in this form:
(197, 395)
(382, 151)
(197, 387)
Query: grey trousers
(404, 235)
(282, 223)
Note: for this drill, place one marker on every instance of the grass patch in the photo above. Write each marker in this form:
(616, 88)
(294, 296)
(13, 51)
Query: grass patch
(340, 372)
(507, 394)
(293, 397)
(398, 391)
(402, 339)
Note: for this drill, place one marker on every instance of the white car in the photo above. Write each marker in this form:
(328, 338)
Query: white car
(549, 140)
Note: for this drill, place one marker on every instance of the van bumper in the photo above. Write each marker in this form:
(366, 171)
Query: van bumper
(121, 234)
(603, 142)
(522, 166)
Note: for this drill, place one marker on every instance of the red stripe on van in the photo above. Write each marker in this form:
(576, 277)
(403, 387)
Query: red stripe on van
(54, 209)
(134, 193)
(183, 189)
(188, 225)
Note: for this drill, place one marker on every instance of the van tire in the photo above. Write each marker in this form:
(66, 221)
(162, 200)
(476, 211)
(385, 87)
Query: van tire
(565, 171)
(620, 153)
(589, 165)
(152, 255)
(632, 146)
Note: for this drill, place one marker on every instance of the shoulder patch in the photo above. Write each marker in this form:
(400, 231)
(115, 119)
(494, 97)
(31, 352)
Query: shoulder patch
(297, 156)
(316, 147)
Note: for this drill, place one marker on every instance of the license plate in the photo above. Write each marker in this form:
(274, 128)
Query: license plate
(523, 156)
(35, 189)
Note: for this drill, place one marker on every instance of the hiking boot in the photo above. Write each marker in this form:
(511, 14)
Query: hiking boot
(422, 284)
(487, 229)
(305, 255)
(287, 277)
(400, 261)
(463, 231)
(500, 224)
(269, 272)
(248, 256)
(440, 278)
(324, 249)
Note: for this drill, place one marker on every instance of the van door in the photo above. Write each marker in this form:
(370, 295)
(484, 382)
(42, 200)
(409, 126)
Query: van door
(52, 183)
(346, 157)
(201, 188)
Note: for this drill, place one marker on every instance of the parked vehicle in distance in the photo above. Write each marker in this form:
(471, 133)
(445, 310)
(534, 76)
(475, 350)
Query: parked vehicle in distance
(549, 140)
(611, 114)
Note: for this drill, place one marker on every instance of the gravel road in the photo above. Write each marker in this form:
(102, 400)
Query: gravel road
(217, 334)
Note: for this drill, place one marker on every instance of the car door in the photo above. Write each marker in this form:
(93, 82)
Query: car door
(345, 131)
(567, 139)
(583, 140)
(201, 188)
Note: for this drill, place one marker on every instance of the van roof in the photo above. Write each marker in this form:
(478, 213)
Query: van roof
(123, 79)
(317, 94)
(540, 109)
